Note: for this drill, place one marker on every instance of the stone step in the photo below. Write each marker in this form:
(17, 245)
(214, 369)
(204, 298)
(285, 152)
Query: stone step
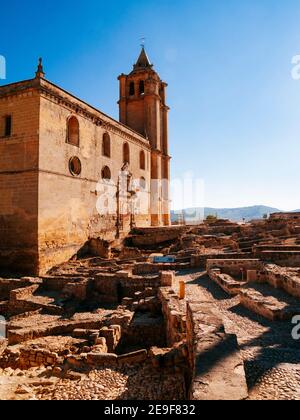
(273, 304)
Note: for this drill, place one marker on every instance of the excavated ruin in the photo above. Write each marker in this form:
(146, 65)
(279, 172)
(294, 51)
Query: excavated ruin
(183, 312)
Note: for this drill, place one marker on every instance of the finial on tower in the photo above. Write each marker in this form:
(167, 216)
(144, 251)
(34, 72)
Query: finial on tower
(40, 70)
(143, 41)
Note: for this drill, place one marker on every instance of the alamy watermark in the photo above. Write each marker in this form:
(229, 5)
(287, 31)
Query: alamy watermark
(127, 195)
(296, 329)
(296, 69)
(3, 325)
(2, 67)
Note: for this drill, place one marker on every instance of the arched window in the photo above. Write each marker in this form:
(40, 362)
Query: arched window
(142, 160)
(106, 145)
(126, 153)
(142, 87)
(131, 89)
(106, 173)
(73, 131)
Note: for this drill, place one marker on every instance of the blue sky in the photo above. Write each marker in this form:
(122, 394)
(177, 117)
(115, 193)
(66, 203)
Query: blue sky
(235, 108)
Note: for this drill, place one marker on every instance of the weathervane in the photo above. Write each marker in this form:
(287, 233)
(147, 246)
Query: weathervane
(143, 40)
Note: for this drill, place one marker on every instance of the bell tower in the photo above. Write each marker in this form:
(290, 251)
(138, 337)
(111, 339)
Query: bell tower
(143, 108)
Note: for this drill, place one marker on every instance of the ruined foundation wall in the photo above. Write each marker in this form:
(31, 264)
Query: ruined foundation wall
(282, 258)
(235, 267)
(174, 315)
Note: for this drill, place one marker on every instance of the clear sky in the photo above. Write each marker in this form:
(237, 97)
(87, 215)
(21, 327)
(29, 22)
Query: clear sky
(235, 108)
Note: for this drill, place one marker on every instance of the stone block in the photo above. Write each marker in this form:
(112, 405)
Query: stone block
(167, 278)
(133, 358)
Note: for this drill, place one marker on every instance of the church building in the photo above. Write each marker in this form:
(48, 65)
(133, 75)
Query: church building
(70, 173)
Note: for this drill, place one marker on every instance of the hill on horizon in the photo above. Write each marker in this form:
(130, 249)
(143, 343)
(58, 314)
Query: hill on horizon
(235, 214)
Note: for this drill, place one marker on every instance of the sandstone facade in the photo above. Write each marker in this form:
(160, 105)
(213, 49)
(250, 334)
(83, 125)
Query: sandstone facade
(63, 164)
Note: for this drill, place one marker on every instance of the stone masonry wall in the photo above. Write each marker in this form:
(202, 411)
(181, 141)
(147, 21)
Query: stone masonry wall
(19, 183)
(68, 215)
(234, 267)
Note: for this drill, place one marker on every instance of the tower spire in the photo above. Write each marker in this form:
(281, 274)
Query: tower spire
(143, 61)
(40, 70)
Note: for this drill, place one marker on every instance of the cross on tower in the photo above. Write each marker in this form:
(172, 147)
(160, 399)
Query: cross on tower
(143, 40)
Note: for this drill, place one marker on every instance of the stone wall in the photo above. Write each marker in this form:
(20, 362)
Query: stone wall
(26, 358)
(235, 267)
(283, 258)
(281, 278)
(151, 237)
(200, 260)
(19, 181)
(65, 225)
(153, 268)
(174, 312)
(225, 281)
(7, 285)
(46, 213)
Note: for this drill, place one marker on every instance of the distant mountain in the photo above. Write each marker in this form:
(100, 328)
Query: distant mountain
(234, 214)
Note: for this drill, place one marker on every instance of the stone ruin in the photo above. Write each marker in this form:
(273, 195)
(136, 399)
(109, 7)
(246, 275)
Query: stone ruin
(211, 321)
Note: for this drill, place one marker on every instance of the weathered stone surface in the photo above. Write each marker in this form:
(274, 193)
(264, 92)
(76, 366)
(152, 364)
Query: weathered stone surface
(217, 370)
(270, 303)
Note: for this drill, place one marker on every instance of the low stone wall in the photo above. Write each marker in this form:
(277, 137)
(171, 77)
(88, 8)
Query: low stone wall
(216, 366)
(269, 304)
(151, 237)
(108, 286)
(200, 260)
(283, 258)
(174, 312)
(22, 294)
(235, 267)
(27, 358)
(108, 360)
(258, 249)
(280, 279)
(112, 336)
(58, 283)
(7, 285)
(77, 291)
(225, 281)
(152, 268)
(131, 285)
(113, 287)
(144, 331)
(65, 327)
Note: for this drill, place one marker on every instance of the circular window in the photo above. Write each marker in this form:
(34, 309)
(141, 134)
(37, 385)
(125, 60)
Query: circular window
(75, 166)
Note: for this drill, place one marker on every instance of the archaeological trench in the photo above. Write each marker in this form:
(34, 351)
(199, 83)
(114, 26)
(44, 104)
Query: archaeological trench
(210, 320)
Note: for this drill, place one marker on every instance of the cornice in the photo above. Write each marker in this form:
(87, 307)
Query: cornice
(51, 91)
(95, 116)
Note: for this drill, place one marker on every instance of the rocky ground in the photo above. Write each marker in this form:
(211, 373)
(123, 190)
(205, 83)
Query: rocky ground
(139, 383)
(271, 356)
(271, 359)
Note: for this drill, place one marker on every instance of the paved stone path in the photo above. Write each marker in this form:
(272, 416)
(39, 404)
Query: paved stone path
(271, 356)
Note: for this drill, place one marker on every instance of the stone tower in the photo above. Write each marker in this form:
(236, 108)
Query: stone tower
(143, 108)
